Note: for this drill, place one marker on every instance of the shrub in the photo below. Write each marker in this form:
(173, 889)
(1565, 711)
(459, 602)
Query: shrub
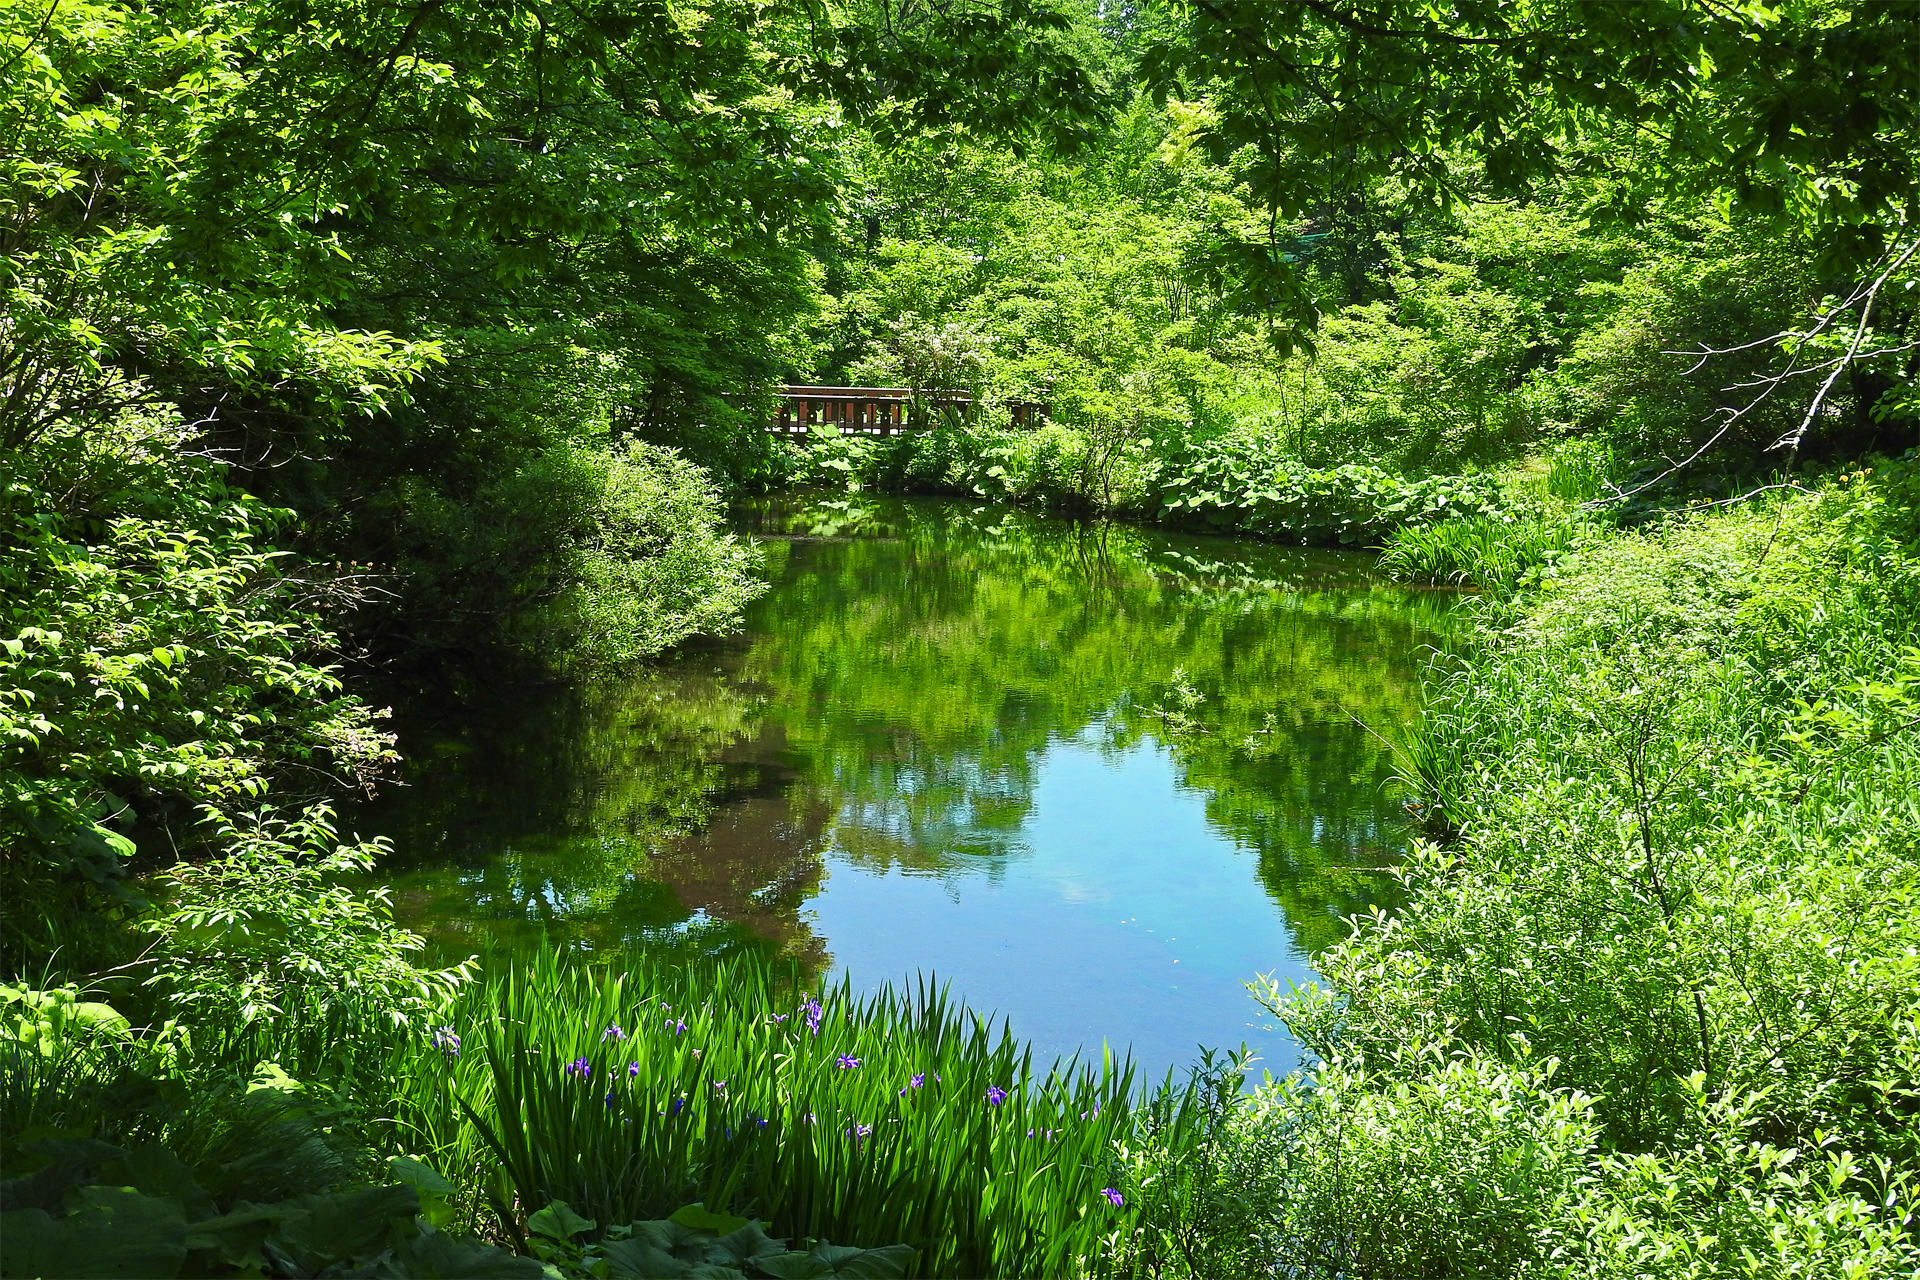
(578, 555)
(157, 654)
(1241, 483)
(1652, 1009)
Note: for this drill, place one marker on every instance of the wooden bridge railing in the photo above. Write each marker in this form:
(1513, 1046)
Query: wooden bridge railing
(873, 411)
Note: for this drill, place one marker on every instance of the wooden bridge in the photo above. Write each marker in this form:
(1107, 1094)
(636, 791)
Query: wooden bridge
(875, 411)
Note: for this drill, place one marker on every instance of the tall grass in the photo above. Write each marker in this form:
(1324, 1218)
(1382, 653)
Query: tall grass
(893, 1117)
(1496, 552)
(1582, 473)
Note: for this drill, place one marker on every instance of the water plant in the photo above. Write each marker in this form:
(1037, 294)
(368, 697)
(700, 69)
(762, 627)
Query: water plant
(1493, 551)
(896, 1116)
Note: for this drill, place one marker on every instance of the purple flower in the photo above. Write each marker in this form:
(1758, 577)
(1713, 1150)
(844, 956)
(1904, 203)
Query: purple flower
(919, 1078)
(719, 1086)
(446, 1041)
(846, 1062)
(778, 1018)
(1114, 1198)
(633, 1069)
(677, 1025)
(812, 1009)
(613, 1032)
(995, 1095)
(678, 1103)
(859, 1131)
(580, 1067)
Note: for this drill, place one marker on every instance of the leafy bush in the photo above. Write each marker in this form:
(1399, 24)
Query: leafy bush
(267, 925)
(575, 554)
(1241, 483)
(1681, 776)
(157, 655)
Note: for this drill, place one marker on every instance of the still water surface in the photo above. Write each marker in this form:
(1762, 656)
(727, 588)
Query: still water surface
(1095, 779)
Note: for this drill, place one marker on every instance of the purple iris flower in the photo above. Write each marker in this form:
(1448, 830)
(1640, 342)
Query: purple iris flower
(846, 1062)
(633, 1069)
(613, 1033)
(812, 1010)
(446, 1041)
(995, 1095)
(1114, 1198)
(580, 1067)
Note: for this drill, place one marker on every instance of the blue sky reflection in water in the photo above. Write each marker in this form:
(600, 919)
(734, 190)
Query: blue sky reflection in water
(1096, 780)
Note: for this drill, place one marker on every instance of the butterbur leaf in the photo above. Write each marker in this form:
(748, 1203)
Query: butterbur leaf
(423, 1178)
(700, 1218)
(436, 1193)
(884, 1263)
(153, 1170)
(679, 1241)
(438, 1256)
(64, 1163)
(237, 1239)
(558, 1221)
(746, 1244)
(114, 1232)
(328, 1227)
(639, 1259)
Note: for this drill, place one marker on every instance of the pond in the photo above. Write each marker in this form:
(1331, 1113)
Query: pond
(1094, 778)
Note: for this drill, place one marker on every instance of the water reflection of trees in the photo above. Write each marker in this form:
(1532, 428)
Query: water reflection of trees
(615, 813)
(923, 675)
(895, 704)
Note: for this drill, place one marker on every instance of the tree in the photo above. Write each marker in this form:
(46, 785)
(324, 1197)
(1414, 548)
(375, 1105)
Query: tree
(1801, 113)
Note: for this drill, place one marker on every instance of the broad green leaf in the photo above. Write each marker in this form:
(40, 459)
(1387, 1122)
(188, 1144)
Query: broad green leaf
(558, 1221)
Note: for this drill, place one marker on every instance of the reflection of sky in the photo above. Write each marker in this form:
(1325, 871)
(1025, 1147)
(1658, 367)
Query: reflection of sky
(1130, 918)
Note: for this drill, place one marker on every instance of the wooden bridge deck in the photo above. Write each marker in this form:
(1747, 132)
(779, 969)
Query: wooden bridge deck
(872, 411)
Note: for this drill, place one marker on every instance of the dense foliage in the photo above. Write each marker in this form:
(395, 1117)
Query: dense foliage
(335, 331)
(1649, 1006)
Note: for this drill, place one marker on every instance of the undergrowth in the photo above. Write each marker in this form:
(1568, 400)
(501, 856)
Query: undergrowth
(1650, 1007)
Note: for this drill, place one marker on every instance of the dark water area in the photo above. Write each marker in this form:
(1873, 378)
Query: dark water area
(1094, 778)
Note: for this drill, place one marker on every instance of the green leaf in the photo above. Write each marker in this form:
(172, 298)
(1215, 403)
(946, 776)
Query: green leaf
(422, 1178)
(825, 1259)
(558, 1221)
(437, 1194)
(639, 1260)
(746, 1244)
(439, 1256)
(701, 1218)
(115, 1232)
